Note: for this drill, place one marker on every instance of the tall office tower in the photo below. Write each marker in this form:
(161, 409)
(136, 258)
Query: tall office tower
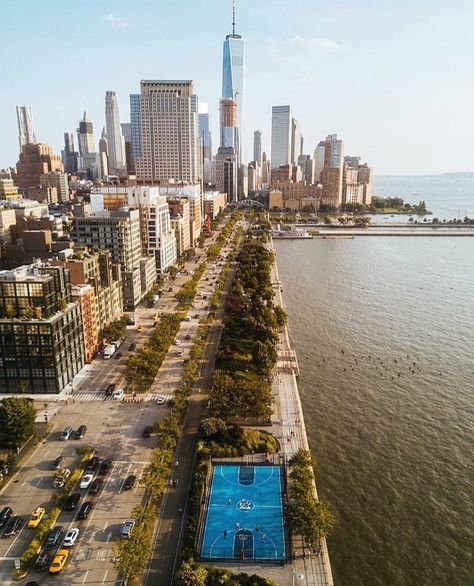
(333, 171)
(114, 134)
(69, 156)
(281, 136)
(205, 136)
(26, 132)
(319, 161)
(127, 137)
(169, 141)
(296, 141)
(226, 172)
(233, 82)
(104, 153)
(257, 146)
(228, 118)
(136, 129)
(357, 182)
(85, 136)
(265, 170)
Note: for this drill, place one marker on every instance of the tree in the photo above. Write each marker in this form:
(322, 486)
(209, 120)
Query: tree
(10, 311)
(212, 425)
(264, 355)
(281, 316)
(17, 421)
(29, 312)
(61, 304)
(191, 575)
(23, 385)
(131, 555)
(38, 312)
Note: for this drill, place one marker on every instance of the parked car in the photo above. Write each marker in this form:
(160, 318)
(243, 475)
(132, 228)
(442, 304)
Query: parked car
(129, 482)
(61, 478)
(127, 528)
(43, 561)
(187, 337)
(160, 400)
(96, 486)
(80, 432)
(147, 431)
(56, 465)
(71, 537)
(5, 514)
(93, 463)
(177, 342)
(12, 526)
(66, 434)
(110, 389)
(118, 394)
(54, 535)
(132, 347)
(36, 517)
(118, 355)
(86, 481)
(72, 501)
(188, 318)
(59, 561)
(84, 510)
(105, 466)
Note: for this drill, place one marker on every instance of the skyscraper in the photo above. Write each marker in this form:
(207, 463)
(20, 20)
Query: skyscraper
(69, 156)
(296, 141)
(332, 173)
(26, 132)
(127, 137)
(206, 141)
(114, 134)
(228, 111)
(135, 124)
(85, 136)
(169, 132)
(257, 146)
(233, 80)
(281, 136)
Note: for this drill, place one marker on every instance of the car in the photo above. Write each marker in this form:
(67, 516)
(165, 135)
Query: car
(36, 517)
(32, 584)
(196, 315)
(66, 434)
(188, 318)
(127, 528)
(61, 478)
(187, 337)
(148, 431)
(93, 463)
(12, 526)
(71, 537)
(105, 466)
(96, 486)
(132, 347)
(129, 482)
(110, 389)
(179, 352)
(204, 296)
(54, 535)
(118, 355)
(177, 342)
(5, 514)
(139, 327)
(56, 465)
(72, 501)
(84, 510)
(43, 561)
(170, 289)
(86, 481)
(160, 400)
(118, 394)
(80, 432)
(59, 561)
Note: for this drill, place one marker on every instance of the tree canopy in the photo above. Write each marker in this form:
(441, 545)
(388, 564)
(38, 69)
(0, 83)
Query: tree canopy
(17, 421)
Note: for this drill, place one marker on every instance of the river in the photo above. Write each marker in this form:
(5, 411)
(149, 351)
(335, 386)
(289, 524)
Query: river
(384, 331)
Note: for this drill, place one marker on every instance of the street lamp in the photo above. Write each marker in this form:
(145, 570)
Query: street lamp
(295, 575)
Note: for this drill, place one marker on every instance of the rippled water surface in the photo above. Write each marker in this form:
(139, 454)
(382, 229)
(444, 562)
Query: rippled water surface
(384, 331)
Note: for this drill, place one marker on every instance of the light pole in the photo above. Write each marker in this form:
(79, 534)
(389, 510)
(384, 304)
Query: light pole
(295, 575)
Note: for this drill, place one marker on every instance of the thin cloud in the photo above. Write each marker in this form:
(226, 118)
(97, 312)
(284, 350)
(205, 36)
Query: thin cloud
(116, 21)
(317, 44)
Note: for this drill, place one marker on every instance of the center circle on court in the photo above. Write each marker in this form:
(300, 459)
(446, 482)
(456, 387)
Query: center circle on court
(245, 505)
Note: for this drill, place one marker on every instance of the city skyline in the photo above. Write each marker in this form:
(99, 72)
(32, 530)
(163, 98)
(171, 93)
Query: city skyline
(394, 81)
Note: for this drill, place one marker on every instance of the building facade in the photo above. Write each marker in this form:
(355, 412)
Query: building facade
(116, 142)
(58, 181)
(41, 332)
(225, 165)
(85, 297)
(205, 136)
(332, 173)
(36, 160)
(26, 131)
(257, 146)
(281, 136)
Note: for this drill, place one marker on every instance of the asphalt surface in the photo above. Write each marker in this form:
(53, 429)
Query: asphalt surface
(115, 430)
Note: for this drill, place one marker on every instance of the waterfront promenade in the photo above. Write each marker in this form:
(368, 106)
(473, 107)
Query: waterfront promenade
(307, 567)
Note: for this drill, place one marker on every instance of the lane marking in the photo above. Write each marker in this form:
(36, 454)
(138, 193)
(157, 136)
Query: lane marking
(85, 577)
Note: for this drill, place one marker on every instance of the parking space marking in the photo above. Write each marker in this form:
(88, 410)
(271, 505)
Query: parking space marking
(105, 576)
(85, 577)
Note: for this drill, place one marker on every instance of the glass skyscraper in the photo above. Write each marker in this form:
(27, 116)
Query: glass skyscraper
(233, 76)
(135, 123)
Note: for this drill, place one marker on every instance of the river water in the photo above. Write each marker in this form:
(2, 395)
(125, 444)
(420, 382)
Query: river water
(384, 332)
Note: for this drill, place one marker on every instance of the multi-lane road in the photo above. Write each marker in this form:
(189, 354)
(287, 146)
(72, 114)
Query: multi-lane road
(115, 430)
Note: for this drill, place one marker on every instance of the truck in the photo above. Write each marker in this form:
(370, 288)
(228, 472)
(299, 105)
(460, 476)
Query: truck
(109, 351)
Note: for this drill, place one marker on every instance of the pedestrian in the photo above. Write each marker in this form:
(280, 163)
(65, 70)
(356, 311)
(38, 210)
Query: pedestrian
(237, 525)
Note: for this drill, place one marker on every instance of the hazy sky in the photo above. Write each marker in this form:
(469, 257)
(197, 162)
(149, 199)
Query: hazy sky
(394, 78)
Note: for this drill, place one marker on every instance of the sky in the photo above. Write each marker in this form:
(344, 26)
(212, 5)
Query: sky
(393, 78)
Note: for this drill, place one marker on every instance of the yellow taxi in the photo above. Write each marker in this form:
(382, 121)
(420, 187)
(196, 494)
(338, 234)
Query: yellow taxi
(36, 517)
(59, 561)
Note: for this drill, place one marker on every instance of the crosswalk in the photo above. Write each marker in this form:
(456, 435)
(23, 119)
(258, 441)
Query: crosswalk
(89, 397)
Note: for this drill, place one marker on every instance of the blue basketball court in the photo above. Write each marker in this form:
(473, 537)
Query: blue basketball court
(245, 514)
